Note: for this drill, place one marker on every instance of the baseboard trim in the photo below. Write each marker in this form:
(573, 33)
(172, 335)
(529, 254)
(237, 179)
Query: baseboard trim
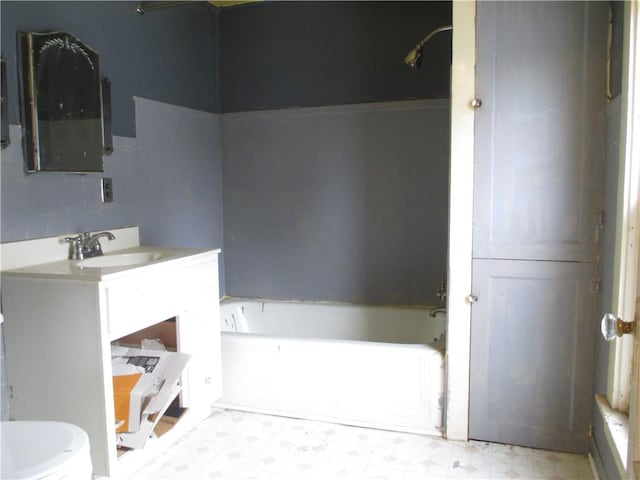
(595, 460)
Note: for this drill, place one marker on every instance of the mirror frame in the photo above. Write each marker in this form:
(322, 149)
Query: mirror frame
(31, 46)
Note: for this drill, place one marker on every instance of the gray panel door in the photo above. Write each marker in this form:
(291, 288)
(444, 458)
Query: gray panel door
(531, 367)
(538, 157)
(537, 197)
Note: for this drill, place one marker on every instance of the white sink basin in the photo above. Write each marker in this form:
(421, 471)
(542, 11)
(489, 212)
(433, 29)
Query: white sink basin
(120, 260)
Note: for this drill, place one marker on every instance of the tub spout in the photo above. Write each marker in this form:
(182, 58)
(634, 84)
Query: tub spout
(437, 310)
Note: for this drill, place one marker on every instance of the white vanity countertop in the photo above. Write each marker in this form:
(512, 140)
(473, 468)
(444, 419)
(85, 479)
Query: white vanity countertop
(72, 270)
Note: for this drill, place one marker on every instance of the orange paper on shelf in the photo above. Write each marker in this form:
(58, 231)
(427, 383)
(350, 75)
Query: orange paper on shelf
(122, 387)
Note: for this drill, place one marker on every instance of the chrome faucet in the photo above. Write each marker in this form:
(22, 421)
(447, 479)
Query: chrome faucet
(86, 245)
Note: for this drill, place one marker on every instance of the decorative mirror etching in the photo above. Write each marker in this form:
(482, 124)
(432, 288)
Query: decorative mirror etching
(62, 103)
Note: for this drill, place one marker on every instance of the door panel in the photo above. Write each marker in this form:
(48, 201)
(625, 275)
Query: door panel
(539, 146)
(538, 170)
(531, 350)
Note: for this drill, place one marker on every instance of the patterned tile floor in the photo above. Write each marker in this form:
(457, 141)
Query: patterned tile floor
(232, 445)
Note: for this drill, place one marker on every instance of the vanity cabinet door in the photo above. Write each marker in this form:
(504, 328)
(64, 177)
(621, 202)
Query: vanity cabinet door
(199, 335)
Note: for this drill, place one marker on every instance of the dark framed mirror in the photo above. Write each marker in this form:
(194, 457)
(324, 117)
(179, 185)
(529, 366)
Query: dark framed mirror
(61, 100)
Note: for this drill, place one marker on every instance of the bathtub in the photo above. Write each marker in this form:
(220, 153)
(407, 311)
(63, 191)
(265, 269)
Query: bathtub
(376, 367)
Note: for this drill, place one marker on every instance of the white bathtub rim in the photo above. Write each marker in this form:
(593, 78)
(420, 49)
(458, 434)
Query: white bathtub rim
(234, 307)
(435, 345)
(229, 299)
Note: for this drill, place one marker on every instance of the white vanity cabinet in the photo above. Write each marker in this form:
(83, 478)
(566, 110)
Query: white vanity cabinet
(60, 322)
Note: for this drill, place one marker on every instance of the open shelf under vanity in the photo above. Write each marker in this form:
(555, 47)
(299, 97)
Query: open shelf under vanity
(59, 345)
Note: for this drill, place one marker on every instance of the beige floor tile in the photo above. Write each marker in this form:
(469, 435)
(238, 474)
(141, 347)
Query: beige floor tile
(233, 445)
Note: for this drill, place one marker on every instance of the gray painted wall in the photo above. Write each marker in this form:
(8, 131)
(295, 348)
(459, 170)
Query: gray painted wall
(326, 198)
(168, 181)
(167, 55)
(46, 204)
(180, 172)
(282, 54)
(337, 203)
(617, 13)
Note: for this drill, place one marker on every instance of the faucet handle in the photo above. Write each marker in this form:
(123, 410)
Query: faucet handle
(76, 243)
(75, 239)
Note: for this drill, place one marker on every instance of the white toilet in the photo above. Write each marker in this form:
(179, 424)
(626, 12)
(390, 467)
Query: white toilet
(43, 450)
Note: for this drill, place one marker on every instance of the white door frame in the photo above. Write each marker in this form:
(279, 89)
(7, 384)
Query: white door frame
(463, 79)
(633, 449)
(627, 274)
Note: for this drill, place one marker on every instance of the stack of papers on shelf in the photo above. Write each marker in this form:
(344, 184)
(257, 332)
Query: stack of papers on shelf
(145, 383)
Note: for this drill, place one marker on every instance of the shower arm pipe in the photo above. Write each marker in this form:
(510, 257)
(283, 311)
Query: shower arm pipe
(432, 34)
(144, 7)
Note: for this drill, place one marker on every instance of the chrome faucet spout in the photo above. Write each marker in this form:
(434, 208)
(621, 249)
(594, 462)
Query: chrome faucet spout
(93, 241)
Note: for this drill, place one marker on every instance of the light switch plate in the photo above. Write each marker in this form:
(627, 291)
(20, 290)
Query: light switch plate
(107, 190)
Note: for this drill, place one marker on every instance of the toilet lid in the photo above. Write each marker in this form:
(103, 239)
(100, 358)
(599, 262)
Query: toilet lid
(32, 450)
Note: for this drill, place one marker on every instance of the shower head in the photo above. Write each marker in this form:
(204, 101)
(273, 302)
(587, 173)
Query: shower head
(414, 57)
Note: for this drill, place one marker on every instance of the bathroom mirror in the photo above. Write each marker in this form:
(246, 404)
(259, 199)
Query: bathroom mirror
(61, 99)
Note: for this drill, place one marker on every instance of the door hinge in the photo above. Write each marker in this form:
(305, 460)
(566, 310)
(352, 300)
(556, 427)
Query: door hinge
(590, 431)
(596, 286)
